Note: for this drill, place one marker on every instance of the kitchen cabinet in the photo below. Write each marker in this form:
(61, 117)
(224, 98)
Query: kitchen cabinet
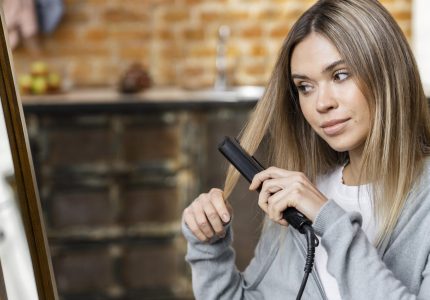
(114, 174)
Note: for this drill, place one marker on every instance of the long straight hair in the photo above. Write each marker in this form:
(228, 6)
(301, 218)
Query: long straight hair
(381, 61)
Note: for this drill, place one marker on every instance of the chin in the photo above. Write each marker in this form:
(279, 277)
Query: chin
(343, 146)
(340, 145)
(344, 142)
(339, 148)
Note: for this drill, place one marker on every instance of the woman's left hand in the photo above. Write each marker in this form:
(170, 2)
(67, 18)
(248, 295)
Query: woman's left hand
(281, 189)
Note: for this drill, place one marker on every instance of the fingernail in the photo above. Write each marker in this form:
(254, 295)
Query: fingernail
(225, 218)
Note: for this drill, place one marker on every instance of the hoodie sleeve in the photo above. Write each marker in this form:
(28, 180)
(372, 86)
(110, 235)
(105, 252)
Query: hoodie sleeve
(214, 273)
(354, 261)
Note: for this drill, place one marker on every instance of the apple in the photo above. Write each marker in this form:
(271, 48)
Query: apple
(39, 68)
(39, 85)
(54, 81)
(24, 83)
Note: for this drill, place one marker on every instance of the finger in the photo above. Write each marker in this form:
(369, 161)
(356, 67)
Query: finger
(272, 186)
(300, 194)
(296, 183)
(283, 222)
(201, 220)
(269, 187)
(271, 172)
(278, 203)
(192, 225)
(229, 208)
(220, 205)
(213, 218)
(259, 178)
(262, 199)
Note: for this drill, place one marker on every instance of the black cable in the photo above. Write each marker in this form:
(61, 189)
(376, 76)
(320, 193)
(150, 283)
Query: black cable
(304, 226)
(312, 242)
(302, 287)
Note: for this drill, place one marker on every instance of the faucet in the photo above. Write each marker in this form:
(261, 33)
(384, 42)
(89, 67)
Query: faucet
(221, 83)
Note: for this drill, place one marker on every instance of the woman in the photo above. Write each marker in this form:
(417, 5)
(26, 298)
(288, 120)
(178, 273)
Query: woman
(348, 126)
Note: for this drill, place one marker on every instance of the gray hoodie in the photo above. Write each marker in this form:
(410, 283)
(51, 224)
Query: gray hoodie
(397, 270)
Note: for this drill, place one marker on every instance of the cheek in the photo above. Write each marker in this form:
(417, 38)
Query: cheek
(306, 111)
(362, 112)
(362, 120)
(310, 116)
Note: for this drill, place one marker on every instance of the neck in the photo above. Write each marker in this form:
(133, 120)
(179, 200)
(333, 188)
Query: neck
(351, 172)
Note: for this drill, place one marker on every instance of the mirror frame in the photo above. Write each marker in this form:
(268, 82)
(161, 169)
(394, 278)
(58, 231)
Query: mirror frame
(26, 187)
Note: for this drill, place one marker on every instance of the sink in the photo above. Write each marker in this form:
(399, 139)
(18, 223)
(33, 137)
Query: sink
(249, 91)
(238, 93)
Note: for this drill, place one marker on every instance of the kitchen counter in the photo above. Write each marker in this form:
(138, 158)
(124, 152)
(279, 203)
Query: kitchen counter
(109, 99)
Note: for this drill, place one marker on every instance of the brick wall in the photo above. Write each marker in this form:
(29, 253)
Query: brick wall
(175, 39)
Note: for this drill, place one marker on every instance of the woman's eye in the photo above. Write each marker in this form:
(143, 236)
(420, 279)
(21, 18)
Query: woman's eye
(341, 75)
(304, 88)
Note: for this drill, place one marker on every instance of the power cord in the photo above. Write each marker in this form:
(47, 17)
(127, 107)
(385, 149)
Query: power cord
(304, 226)
(312, 242)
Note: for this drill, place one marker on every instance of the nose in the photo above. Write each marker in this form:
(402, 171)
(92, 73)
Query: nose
(326, 99)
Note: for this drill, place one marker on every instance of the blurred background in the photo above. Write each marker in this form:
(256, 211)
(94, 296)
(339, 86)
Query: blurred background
(175, 40)
(125, 103)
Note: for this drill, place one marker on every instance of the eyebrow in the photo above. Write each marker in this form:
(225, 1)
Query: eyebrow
(326, 69)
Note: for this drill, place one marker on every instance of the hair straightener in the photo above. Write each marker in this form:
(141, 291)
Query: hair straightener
(248, 166)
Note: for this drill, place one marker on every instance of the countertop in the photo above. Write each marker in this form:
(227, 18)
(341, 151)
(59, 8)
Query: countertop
(102, 99)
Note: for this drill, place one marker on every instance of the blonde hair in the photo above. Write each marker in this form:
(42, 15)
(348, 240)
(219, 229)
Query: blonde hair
(378, 55)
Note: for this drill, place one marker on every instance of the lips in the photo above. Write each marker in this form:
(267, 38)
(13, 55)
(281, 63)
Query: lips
(334, 127)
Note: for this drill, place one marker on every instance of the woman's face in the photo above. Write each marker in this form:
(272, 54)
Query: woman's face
(330, 99)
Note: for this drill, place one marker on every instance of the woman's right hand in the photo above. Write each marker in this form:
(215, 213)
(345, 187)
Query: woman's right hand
(207, 215)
